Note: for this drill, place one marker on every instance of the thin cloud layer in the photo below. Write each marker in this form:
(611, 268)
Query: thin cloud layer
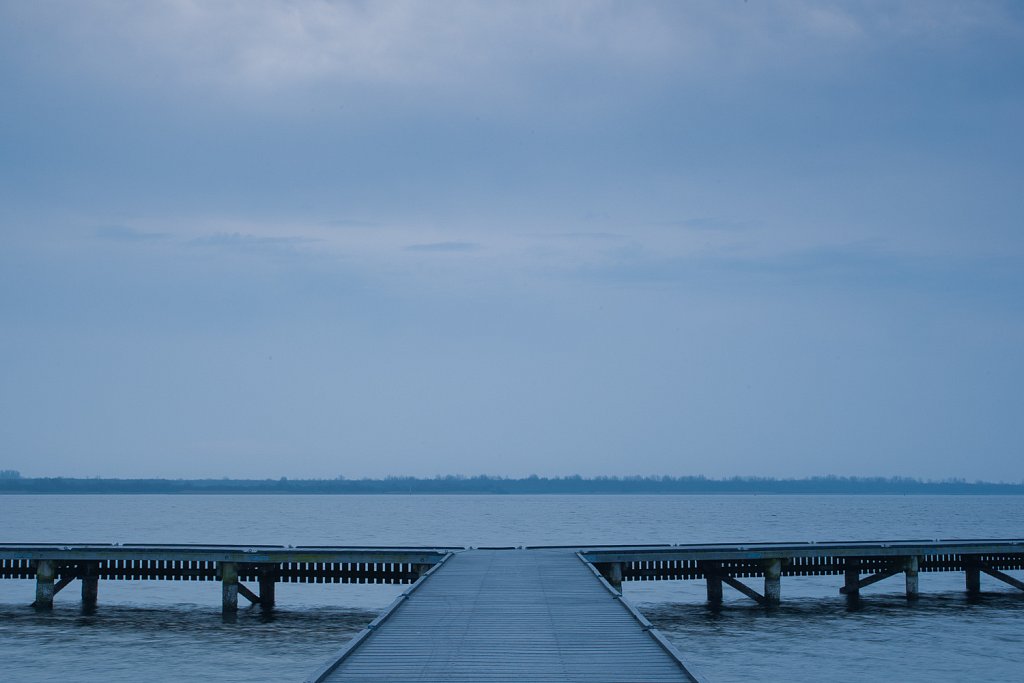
(597, 237)
(271, 45)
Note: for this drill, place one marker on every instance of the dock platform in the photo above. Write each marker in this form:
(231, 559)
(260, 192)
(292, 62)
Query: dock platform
(510, 615)
(534, 613)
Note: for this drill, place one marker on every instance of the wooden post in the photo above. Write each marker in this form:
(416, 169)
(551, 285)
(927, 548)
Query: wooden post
(714, 582)
(773, 582)
(852, 576)
(1002, 576)
(910, 568)
(614, 575)
(268, 582)
(973, 575)
(45, 572)
(229, 587)
(90, 583)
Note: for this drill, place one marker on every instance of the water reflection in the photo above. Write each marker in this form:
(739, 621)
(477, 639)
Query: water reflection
(130, 643)
(884, 636)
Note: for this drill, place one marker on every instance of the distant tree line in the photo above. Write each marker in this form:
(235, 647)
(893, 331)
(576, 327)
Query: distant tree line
(12, 482)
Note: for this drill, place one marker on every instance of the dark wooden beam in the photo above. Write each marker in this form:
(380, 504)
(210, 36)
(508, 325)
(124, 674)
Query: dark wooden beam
(745, 589)
(873, 578)
(63, 583)
(267, 576)
(851, 571)
(248, 594)
(1005, 578)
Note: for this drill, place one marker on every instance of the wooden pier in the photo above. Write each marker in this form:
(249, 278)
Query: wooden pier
(510, 614)
(861, 564)
(54, 567)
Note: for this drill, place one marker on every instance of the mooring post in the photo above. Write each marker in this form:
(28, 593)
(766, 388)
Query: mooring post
(910, 568)
(45, 572)
(90, 583)
(852, 577)
(973, 575)
(268, 581)
(229, 586)
(773, 582)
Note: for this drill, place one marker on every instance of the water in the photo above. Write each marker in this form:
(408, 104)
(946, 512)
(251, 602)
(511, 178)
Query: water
(174, 630)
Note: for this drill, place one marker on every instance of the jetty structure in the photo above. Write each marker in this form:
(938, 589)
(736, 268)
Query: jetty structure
(481, 614)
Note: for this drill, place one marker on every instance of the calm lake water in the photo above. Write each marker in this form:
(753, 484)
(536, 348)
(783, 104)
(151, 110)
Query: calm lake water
(174, 631)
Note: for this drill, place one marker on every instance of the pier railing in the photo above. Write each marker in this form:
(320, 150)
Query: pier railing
(54, 567)
(861, 564)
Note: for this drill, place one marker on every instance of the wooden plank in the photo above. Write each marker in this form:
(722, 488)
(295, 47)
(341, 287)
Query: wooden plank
(639, 562)
(365, 557)
(763, 551)
(333, 663)
(511, 614)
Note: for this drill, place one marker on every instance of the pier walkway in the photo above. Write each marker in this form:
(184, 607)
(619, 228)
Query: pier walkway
(509, 615)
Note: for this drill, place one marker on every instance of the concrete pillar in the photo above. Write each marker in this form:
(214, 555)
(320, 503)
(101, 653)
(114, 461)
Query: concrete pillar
(910, 569)
(90, 584)
(714, 582)
(268, 582)
(45, 572)
(773, 582)
(229, 587)
(614, 575)
(973, 579)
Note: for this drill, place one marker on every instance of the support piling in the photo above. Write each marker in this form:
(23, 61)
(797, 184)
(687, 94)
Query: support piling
(268, 584)
(972, 576)
(614, 575)
(229, 587)
(45, 572)
(90, 584)
(773, 582)
(911, 570)
(852, 576)
(714, 582)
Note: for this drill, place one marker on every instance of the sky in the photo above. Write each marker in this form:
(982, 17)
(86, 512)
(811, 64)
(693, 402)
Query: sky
(320, 239)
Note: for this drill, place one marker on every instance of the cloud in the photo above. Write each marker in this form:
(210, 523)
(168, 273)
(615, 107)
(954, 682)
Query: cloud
(268, 46)
(120, 233)
(853, 267)
(239, 239)
(351, 223)
(274, 247)
(710, 223)
(449, 247)
(581, 235)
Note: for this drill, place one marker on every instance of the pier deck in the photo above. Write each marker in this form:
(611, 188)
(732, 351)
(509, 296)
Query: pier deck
(510, 615)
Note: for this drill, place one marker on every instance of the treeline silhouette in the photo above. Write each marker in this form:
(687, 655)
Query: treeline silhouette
(533, 484)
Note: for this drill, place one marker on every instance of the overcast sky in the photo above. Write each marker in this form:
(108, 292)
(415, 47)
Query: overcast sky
(311, 239)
